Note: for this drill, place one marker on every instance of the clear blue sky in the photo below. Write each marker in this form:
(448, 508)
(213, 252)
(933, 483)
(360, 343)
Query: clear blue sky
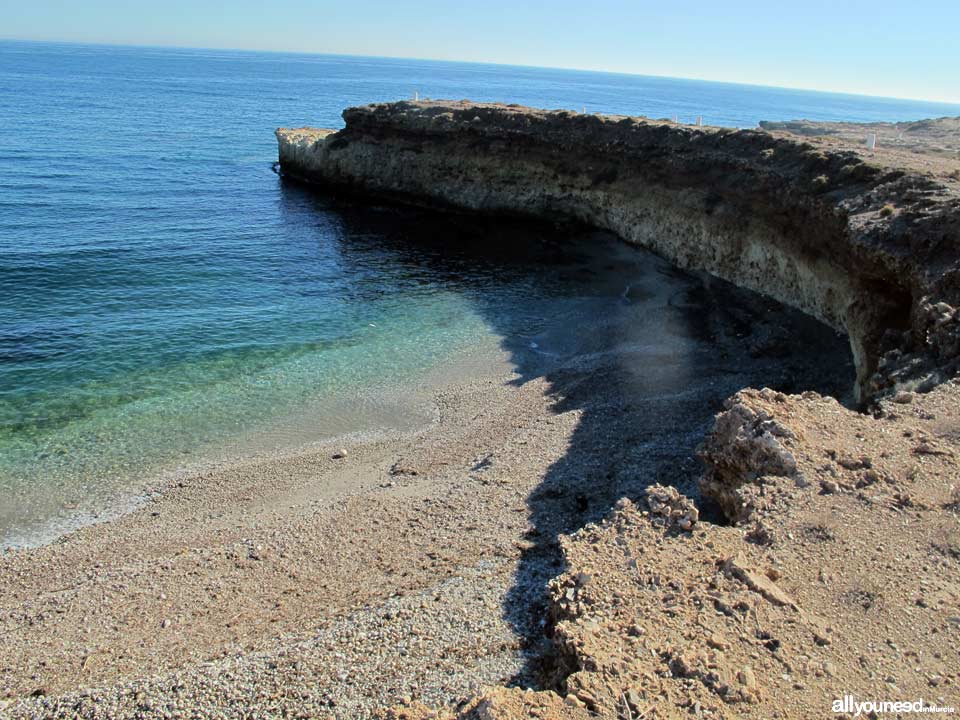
(909, 48)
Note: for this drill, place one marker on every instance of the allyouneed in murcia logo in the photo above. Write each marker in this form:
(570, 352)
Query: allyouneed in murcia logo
(850, 705)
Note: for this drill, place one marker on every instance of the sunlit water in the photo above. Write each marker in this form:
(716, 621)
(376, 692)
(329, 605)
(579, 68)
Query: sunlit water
(164, 295)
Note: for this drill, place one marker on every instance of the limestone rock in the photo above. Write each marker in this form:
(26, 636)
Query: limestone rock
(676, 509)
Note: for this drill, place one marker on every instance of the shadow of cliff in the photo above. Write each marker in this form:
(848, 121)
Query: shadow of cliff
(642, 353)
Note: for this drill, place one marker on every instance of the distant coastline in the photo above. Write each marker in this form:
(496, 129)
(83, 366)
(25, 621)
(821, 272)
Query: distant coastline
(924, 107)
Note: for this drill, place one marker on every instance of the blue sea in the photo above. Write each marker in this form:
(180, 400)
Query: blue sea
(165, 296)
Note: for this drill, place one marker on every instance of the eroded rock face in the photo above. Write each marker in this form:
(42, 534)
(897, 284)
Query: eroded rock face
(807, 225)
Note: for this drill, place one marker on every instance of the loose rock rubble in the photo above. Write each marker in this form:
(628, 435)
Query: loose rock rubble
(652, 623)
(745, 447)
(674, 508)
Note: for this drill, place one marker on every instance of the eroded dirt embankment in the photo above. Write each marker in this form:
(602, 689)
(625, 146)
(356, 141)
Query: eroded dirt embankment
(865, 248)
(840, 579)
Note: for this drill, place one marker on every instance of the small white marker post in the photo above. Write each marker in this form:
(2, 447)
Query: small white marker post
(699, 120)
(871, 141)
(416, 96)
(676, 119)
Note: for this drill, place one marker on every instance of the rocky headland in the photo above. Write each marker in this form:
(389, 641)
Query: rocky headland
(866, 249)
(835, 568)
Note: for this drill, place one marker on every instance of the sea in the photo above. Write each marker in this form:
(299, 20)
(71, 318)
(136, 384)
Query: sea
(166, 299)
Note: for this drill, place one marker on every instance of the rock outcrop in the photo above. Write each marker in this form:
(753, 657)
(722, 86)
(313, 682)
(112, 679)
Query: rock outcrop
(869, 250)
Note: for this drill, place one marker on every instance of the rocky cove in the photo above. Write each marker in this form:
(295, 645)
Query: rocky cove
(867, 249)
(601, 518)
(657, 615)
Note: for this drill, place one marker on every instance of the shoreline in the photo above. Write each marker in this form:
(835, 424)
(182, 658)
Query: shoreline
(269, 442)
(540, 550)
(226, 513)
(414, 567)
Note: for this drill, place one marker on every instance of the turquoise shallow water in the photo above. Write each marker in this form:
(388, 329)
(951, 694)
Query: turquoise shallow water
(163, 294)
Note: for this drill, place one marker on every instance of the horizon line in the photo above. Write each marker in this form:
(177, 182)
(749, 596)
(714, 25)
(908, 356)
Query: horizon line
(953, 103)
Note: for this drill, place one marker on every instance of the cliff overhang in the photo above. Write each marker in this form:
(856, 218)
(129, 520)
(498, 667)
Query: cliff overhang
(869, 250)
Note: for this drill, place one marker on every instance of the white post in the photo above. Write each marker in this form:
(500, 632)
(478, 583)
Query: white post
(699, 120)
(871, 141)
(676, 120)
(416, 96)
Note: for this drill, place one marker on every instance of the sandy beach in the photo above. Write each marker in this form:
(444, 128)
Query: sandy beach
(343, 578)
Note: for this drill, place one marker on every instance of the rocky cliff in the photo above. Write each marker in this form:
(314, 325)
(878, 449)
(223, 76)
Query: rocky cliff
(870, 250)
(792, 602)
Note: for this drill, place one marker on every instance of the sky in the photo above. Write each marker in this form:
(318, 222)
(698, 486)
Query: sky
(894, 49)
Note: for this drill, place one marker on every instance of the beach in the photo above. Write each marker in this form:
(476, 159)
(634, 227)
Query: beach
(340, 579)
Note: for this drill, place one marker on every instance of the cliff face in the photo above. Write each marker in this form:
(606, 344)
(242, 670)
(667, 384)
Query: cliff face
(868, 250)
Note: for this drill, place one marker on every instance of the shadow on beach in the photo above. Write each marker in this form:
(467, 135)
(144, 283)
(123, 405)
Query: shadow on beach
(645, 355)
